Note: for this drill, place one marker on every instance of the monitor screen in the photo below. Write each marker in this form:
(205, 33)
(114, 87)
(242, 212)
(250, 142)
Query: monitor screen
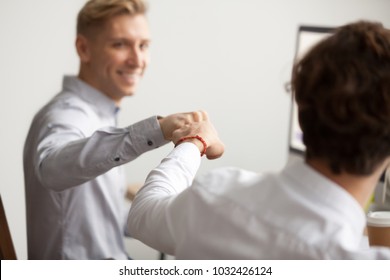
(307, 37)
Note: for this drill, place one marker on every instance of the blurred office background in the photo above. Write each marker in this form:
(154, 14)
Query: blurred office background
(231, 58)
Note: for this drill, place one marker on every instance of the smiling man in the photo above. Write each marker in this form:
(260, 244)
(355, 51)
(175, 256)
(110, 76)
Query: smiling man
(113, 54)
(74, 182)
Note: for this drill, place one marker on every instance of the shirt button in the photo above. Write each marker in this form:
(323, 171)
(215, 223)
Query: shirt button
(150, 142)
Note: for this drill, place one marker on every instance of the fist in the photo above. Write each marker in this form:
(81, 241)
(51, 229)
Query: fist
(205, 129)
(173, 122)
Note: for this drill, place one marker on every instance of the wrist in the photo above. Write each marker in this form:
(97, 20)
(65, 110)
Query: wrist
(196, 140)
(160, 120)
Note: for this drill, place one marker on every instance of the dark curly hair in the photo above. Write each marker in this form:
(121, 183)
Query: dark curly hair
(342, 88)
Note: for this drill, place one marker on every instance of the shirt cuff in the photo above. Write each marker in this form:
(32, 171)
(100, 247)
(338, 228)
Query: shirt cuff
(146, 135)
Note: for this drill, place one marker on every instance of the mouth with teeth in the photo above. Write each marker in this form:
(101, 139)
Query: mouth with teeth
(129, 77)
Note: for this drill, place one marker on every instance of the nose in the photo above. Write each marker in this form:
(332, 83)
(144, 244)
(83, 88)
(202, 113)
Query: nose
(135, 58)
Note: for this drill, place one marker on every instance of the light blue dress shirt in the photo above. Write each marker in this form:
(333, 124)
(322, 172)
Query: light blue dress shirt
(75, 186)
(230, 213)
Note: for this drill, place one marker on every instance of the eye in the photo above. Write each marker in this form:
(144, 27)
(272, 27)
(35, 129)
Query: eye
(118, 44)
(144, 46)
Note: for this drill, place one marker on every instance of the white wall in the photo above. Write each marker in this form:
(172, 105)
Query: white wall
(229, 57)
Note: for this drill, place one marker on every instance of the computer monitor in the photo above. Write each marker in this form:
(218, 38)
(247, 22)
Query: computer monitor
(307, 37)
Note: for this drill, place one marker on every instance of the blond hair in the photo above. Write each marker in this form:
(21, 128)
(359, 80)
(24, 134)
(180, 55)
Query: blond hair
(96, 12)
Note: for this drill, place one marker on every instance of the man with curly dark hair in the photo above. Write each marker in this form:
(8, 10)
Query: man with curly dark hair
(312, 209)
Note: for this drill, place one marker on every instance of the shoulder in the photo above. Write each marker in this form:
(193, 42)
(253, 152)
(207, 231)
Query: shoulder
(225, 178)
(66, 110)
(66, 104)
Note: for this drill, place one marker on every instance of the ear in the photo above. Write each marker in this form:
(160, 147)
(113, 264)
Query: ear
(83, 48)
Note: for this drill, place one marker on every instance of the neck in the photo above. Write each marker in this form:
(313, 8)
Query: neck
(359, 187)
(87, 78)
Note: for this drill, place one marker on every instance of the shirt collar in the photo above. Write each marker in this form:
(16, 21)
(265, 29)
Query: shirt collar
(328, 192)
(103, 104)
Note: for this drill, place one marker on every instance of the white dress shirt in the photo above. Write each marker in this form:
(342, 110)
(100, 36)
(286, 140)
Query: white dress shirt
(74, 184)
(231, 213)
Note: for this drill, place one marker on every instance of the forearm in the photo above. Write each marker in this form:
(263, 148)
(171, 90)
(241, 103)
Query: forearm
(75, 162)
(151, 212)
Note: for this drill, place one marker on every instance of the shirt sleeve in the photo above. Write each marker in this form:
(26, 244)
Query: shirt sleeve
(64, 147)
(152, 210)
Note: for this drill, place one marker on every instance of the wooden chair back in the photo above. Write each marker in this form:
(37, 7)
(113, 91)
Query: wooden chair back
(7, 250)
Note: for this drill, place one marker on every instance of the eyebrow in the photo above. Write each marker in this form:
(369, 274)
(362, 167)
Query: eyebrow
(127, 39)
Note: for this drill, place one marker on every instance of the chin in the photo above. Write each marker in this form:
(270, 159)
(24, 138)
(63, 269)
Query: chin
(127, 92)
(130, 93)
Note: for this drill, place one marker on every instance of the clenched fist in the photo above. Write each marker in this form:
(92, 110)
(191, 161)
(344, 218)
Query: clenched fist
(205, 129)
